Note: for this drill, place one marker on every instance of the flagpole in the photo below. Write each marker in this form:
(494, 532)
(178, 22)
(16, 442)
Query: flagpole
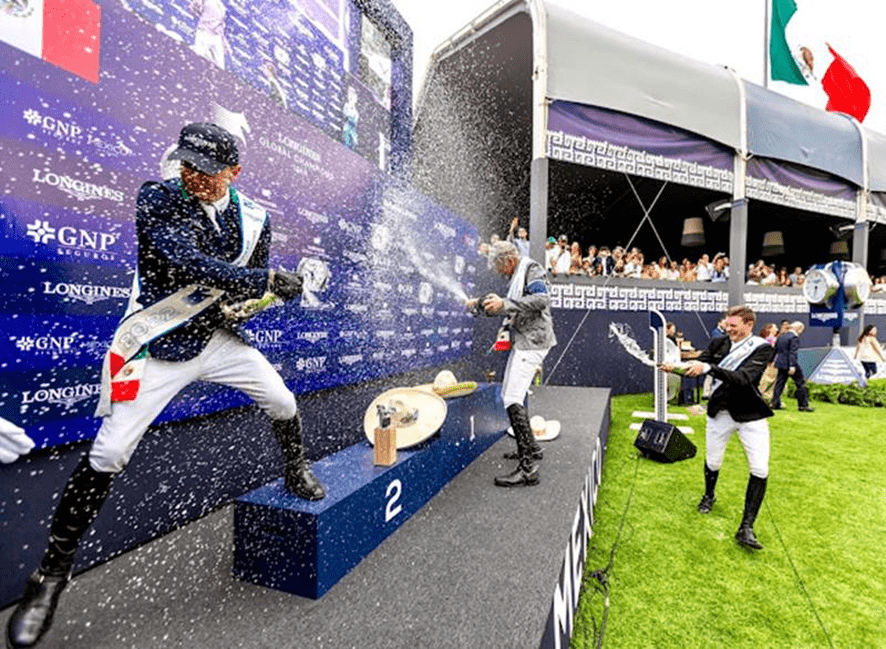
(766, 22)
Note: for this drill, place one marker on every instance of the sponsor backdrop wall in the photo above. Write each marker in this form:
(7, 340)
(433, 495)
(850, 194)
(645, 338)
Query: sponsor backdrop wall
(308, 88)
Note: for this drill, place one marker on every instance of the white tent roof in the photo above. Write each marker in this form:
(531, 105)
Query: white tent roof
(588, 63)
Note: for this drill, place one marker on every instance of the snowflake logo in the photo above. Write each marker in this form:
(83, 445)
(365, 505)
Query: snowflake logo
(32, 117)
(300, 365)
(41, 231)
(25, 344)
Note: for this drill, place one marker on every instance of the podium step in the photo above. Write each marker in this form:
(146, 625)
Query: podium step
(480, 566)
(304, 548)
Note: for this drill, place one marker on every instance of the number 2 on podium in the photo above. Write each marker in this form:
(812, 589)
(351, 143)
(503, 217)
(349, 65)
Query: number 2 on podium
(393, 492)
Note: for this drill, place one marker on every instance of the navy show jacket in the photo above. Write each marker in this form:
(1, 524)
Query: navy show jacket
(178, 245)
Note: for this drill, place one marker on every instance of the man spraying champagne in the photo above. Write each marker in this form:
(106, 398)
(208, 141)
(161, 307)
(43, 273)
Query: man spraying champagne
(529, 336)
(736, 362)
(201, 244)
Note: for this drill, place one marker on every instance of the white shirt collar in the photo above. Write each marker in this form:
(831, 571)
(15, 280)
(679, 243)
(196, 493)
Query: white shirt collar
(221, 204)
(216, 207)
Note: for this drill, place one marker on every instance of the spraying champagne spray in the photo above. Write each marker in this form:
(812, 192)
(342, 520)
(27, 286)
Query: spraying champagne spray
(631, 346)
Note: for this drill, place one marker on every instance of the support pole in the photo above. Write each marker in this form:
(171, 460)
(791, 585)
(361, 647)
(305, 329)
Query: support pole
(738, 224)
(860, 246)
(738, 235)
(538, 209)
(657, 325)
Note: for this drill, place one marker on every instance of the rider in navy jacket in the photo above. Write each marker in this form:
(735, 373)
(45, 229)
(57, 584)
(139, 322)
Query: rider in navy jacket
(178, 245)
(193, 232)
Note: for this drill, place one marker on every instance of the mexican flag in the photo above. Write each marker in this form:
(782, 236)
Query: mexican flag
(782, 64)
(847, 92)
(795, 57)
(65, 33)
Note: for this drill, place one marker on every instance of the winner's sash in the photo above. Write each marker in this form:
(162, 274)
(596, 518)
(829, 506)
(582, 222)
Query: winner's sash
(737, 355)
(124, 363)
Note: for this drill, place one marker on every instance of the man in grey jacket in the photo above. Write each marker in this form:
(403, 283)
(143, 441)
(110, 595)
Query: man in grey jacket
(527, 311)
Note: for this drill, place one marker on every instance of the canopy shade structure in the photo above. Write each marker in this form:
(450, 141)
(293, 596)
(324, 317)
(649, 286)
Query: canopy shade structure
(784, 129)
(592, 64)
(529, 93)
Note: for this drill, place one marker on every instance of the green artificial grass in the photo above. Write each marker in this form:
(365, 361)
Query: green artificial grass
(677, 578)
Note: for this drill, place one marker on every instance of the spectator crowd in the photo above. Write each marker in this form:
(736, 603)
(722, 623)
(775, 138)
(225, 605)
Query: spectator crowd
(564, 258)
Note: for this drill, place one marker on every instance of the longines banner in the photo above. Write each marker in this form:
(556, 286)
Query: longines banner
(80, 131)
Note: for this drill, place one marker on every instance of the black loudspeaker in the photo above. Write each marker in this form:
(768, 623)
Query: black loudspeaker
(663, 442)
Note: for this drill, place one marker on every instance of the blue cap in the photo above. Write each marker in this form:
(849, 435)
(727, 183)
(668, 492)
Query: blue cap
(206, 146)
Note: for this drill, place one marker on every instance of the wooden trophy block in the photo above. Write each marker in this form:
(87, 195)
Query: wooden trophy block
(385, 453)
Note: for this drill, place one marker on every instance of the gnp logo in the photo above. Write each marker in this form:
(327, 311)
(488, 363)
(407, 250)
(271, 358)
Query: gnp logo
(79, 189)
(311, 365)
(265, 338)
(67, 129)
(62, 129)
(75, 242)
(54, 345)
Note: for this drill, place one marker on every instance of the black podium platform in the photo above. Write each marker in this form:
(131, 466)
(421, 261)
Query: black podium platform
(478, 566)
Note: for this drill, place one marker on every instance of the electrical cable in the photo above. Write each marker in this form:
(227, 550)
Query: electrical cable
(601, 577)
(799, 579)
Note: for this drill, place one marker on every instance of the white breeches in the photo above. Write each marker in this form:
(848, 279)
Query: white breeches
(754, 436)
(226, 360)
(519, 372)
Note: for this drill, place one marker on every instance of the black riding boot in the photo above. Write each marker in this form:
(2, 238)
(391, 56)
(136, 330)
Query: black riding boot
(519, 412)
(752, 501)
(526, 472)
(710, 484)
(86, 491)
(297, 474)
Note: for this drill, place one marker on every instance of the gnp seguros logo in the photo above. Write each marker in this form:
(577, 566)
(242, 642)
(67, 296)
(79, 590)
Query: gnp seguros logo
(66, 129)
(311, 365)
(46, 344)
(76, 242)
(266, 338)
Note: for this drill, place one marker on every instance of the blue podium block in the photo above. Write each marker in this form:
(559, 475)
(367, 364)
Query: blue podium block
(304, 548)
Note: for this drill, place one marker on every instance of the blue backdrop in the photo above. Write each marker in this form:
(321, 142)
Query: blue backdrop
(388, 264)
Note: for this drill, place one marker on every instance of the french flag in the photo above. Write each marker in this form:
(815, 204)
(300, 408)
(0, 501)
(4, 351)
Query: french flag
(65, 33)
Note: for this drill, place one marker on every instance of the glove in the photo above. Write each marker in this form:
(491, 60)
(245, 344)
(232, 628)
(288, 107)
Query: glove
(285, 284)
(13, 442)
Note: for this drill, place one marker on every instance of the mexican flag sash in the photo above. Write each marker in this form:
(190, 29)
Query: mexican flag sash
(125, 360)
